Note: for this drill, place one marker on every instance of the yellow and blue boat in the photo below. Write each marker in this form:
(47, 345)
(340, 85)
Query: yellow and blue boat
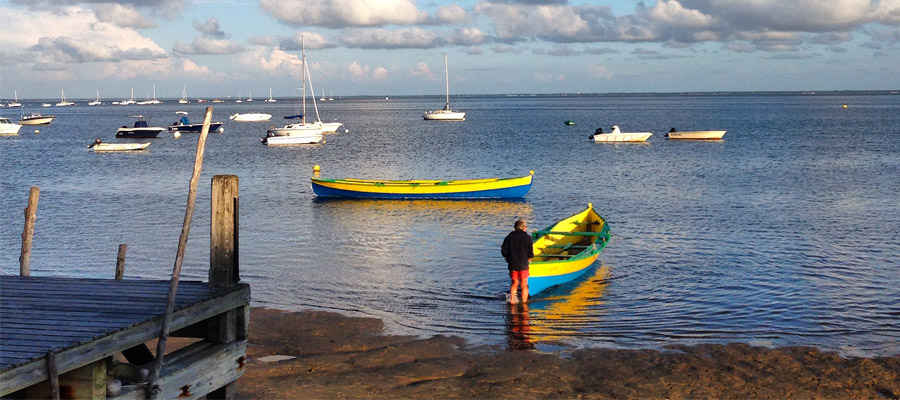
(492, 188)
(565, 250)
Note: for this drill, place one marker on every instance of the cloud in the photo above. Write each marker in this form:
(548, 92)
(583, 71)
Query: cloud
(421, 69)
(70, 50)
(346, 13)
(207, 45)
(563, 51)
(407, 38)
(468, 36)
(357, 72)
(311, 40)
(549, 77)
(210, 28)
(672, 13)
(598, 71)
(380, 74)
(126, 17)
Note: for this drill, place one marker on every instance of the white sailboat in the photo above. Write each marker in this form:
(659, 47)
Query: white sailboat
(127, 102)
(63, 102)
(96, 102)
(270, 99)
(323, 95)
(445, 114)
(240, 97)
(151, 101)
(298, 132)
(183, 99)
(331, 96)
(249, 96)
(15, 103)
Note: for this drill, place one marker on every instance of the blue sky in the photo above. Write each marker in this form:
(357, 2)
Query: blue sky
(220, 48)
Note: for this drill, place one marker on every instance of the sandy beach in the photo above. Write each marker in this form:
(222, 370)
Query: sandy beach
(328, 355)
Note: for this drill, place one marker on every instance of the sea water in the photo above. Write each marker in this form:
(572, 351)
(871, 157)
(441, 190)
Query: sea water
(786, 232)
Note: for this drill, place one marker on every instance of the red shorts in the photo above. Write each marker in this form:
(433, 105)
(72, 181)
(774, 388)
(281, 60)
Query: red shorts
(518, 275)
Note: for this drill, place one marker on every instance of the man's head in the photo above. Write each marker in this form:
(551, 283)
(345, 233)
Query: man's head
(521, 225)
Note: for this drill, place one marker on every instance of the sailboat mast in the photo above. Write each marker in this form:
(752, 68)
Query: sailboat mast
(303, 78)
(447, 78)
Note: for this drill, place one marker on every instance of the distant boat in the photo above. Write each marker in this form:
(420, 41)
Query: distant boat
(140, 129)
(218, 101)
(695, 135)
(63, 102)
(45, 105)
(8, 128)
(151, 101)
(183, 125)
(618, 136)
(250, 117)
(15, 103)
(100, 146)
(445, 114)
(270, 99)
(96, 102)
(331, 96)
(183, 99)
(565, 250)
(300, 132)
(249, 96)
(240, 97)
(424, 189)
(127, 102)
(323, 96)
(36, 119)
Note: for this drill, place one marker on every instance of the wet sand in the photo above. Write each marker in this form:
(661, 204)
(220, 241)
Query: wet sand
(336, 356)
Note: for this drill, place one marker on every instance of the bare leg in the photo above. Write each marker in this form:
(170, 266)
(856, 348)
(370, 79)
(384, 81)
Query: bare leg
(524, 290)
(512, 291)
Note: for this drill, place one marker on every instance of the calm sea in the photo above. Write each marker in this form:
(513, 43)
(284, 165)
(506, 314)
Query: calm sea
(787, 232)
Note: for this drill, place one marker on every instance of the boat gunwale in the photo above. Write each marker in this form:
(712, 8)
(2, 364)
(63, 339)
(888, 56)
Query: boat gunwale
(418, 183)
(593, 250)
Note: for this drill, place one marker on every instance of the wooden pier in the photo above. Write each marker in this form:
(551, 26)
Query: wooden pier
(87, 338)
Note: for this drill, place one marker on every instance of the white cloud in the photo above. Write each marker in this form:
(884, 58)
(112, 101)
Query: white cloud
(357, 72)
(208, 45)
(421, 69)
(344, 13)
(380, 74)
(451, 14)
(672, 13)
(598, 71)
(468, 36)
(122, 16)
(416, 38)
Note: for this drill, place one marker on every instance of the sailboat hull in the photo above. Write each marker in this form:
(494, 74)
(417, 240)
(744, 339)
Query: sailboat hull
(443, 115)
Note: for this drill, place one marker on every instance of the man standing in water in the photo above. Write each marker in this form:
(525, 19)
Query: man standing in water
(518, 251)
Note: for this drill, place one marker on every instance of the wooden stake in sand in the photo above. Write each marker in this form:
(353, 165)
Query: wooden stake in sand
(152, 388)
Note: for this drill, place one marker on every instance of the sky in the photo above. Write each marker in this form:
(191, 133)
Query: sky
(232, 48)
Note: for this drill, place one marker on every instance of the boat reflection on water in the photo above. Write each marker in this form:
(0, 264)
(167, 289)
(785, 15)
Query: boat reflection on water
(556, 317)
(391, 212)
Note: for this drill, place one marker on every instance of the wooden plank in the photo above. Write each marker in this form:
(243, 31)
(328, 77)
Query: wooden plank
(32, 372)
(223, 233)
(196, 374)
(87, 382)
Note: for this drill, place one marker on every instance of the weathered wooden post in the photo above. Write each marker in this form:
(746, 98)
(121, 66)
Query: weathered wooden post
(28, 233)
(120, 262)
(223, 266)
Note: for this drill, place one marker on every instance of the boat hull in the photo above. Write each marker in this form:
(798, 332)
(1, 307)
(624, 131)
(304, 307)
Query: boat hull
(213, 126)
(120, 146)
(8, 128)
(622, 137)
(37, 120)
(251, 117)
(566, 250)
(421, 189)
(300, 139)
(443, 115)
(139, 133)
(331, 127)
(696, 135)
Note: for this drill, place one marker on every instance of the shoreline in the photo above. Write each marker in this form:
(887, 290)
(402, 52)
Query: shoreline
(329, 355)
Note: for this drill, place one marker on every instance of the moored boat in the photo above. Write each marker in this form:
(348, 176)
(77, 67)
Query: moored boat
(101, 146)
(618, 136)
(565, 250)
(8, 128)
(446, 113)
(139, 130)
(695, 135)
(250, 117)
(184, 125)
(424, 189)
(36, 119)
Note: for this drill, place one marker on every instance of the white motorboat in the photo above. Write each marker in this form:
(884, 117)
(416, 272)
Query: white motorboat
(36, 119)
(446, 113)
(303, 132)
(96, 102)
(250, 117)
(45, 105)
(63, 102)
(8, 128)
(101, 146)
(618, 136)
(15, 103)
(695, 135)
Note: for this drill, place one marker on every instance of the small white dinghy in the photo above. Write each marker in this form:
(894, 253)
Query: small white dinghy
(695, 135)
(618, 136)
(250, 117)
(98, 145)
